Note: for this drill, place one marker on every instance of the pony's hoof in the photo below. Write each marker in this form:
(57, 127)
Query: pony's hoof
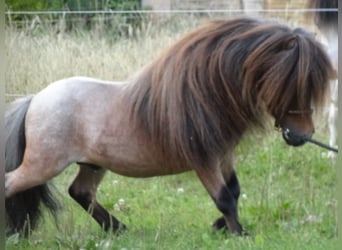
(119, 229)
(221, 225)
(122, 228)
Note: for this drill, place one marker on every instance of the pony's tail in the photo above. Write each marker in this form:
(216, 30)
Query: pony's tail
(22, 209)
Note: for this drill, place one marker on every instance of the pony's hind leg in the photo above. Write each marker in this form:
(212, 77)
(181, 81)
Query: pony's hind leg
(83, 190)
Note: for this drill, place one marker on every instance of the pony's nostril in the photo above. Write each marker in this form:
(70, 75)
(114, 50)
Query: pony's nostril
(286, 134)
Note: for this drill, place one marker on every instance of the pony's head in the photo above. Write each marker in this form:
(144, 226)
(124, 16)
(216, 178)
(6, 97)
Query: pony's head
(287, 71)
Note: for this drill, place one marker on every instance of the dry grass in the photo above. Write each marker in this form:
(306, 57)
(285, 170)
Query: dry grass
(34, 61)
(39, 56)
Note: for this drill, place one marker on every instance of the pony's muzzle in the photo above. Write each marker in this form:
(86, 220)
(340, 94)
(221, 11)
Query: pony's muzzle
(294, 138)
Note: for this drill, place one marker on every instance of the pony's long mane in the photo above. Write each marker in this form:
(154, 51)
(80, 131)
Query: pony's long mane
(198, 98)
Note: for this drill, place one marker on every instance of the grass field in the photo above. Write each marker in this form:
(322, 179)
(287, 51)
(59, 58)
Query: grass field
(287, 197)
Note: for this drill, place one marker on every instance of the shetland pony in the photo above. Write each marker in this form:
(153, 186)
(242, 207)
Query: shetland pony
(327, 23)
(187, 110)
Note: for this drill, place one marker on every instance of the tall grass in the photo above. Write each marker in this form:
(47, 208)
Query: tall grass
(36, 60)
(287, 197)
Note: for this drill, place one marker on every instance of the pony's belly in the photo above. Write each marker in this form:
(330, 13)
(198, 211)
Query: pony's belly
(126, 156)
(144, 170)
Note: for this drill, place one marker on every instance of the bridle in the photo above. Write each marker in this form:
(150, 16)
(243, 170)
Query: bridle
(303, 137)
(300, 112)
(293, 112)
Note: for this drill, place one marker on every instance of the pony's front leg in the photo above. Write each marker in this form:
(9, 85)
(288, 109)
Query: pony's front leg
(224, 197)
(234, 187)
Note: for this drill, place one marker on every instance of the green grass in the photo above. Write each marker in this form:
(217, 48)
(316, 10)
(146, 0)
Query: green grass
(287, 202)
(287, 194)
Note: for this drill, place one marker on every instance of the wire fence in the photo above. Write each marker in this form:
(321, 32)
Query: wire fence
(291, 10)
(52, 16)
(32, 17)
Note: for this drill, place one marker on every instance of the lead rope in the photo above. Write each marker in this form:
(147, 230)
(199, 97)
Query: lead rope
(321, 144)
(309, 139)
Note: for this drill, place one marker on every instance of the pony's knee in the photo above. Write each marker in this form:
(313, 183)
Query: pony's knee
(84, 197)
(226, 202)
(84, 187)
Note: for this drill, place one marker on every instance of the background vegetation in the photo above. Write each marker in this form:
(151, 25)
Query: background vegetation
(288, 194)
(46, 5)
(121, 24)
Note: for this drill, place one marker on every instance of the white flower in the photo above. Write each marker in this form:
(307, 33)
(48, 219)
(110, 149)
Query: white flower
(121, 202)
(117, 207)
(313, 219)
(120, 205)
(180, 190)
